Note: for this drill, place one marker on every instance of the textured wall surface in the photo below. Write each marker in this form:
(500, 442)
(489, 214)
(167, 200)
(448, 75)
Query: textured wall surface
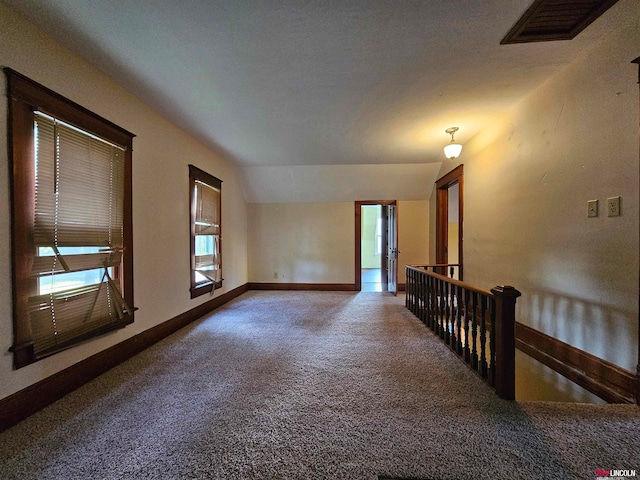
(528, 177)
(301, 242)
(315, 242)
(160, 196)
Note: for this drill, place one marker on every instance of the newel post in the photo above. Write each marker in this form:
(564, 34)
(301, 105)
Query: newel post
(505, 379)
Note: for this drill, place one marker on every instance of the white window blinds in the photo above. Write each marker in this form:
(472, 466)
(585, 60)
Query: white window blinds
(79, 187)
(207, 232)
(78, 235)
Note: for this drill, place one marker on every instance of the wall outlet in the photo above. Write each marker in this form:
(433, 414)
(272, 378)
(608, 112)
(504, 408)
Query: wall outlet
(613, 206)
(275, 274)
(592, 208)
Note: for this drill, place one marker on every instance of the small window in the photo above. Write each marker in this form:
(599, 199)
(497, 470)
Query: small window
(71, 222)
(205, 192)
(378, 238)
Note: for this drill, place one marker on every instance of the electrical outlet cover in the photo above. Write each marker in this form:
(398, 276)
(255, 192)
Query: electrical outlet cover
(613, 206)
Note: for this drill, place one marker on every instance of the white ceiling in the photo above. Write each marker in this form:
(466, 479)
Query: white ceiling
(308, 83)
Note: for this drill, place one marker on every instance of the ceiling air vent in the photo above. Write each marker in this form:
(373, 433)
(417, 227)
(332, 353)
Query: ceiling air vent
(548, 20)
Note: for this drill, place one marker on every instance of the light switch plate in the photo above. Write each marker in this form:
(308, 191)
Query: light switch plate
(613, 206)
(592, 208)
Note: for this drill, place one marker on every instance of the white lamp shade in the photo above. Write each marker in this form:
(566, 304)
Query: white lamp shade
(452, 150)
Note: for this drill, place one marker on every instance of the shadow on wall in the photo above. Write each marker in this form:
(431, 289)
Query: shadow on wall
(607, 331)
(536, 382)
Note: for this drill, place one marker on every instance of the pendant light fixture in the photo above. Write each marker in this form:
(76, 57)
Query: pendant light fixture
(452, 150)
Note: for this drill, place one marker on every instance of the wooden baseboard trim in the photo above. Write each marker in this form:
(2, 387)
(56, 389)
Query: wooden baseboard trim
(604, 379)
(329, 287)
(28, 401)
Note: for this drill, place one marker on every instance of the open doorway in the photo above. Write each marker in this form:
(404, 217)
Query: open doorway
(449, 222)
(376, 241)
(372, 243)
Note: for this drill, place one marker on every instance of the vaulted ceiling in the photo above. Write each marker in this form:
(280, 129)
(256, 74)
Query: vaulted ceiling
(288, 89)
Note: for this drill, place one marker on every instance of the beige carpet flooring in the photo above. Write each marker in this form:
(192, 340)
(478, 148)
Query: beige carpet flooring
(311, 385)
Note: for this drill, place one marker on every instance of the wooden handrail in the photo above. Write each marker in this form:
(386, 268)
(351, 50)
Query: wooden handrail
(460, 283)
(440, 267)
(436, 265)
(477, 324)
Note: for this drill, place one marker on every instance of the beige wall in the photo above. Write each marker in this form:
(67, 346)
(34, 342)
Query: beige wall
(301, 242)
(536, 382)
(413, 235)
(528, 177)
(315, 242)
(453, 242)
(160, 196)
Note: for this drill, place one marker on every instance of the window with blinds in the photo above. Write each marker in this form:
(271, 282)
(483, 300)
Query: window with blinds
(206, 240)
(71, 222)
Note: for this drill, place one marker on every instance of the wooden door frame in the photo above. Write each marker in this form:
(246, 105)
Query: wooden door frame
(358, 235)
(455, 176)
(637, 61)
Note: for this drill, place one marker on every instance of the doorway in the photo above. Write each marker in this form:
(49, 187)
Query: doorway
(372, 242)
(449, 222)
(376, 251)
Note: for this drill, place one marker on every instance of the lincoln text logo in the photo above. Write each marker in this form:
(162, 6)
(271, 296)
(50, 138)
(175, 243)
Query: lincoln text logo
(614, 474)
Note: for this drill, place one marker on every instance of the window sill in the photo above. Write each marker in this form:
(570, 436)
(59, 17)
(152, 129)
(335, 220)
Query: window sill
(203, 288)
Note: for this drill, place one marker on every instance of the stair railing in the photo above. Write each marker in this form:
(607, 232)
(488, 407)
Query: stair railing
(478, 325)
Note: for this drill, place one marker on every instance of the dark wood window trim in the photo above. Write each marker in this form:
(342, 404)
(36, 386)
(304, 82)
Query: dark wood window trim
(197, 175)
(25, 97)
